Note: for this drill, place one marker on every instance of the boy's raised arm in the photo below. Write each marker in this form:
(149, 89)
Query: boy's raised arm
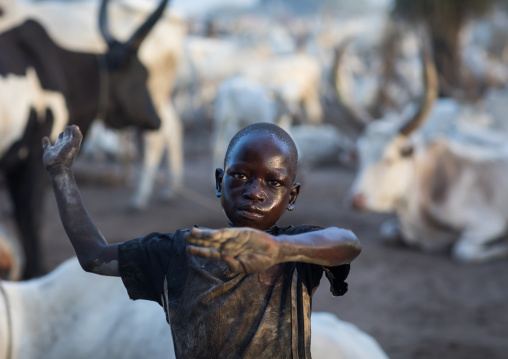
(248, 250)
(93, 252)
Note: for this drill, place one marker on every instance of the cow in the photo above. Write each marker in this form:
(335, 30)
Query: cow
(43, 87)
(441, 175)
(297, 77)
(70, 313)
(159, 53)
(241, 101)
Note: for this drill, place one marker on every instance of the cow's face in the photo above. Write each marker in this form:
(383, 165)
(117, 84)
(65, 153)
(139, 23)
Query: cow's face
(129, 102)
(385, 172)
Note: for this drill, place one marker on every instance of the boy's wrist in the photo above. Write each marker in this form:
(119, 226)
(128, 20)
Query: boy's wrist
(284, 252)
(58, 170)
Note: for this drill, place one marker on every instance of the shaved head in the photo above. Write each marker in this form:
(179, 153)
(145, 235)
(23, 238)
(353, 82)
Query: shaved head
(265, 128)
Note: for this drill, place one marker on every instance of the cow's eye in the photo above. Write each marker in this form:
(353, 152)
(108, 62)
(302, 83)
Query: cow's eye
(407, 151)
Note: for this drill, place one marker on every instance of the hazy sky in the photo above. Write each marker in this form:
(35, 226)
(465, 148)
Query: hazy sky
(200, 7)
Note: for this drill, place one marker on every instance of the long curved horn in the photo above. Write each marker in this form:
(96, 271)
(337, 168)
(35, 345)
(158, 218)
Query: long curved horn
(359, 115)
(137, 38)
(103, 24)
(431, 90)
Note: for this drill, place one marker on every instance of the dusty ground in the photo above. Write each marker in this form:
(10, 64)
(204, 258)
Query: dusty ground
(418, 306)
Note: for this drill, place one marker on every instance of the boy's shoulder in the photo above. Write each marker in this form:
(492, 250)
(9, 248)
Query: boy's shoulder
(294, 229)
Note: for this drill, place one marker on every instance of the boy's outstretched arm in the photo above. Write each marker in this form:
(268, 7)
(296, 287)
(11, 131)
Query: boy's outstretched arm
(248, 250)
(94, 253)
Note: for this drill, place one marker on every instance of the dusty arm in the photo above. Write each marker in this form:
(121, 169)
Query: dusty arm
(247, 250)
(94, 253)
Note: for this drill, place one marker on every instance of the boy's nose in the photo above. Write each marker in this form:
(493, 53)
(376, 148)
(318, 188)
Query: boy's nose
(255, 192)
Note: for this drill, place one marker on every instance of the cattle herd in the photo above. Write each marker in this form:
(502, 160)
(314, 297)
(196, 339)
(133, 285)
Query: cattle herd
(124, 70)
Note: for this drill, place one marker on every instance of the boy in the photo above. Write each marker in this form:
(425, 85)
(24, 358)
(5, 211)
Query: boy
(239, 292)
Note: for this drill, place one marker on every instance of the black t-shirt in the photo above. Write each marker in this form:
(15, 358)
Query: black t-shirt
(214, 313)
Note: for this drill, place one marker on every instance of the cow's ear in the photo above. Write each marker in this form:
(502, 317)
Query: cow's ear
(407, 150)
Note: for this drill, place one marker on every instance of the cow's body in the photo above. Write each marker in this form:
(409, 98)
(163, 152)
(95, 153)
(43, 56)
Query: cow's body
(297, 77)
(44, 86)
(73, 25)
(73, 314)
(444, 181)
(239, 102)
(440, 170)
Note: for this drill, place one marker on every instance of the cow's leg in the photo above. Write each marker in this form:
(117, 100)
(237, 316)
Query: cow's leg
(26, 184)
(168, 136)
(153, 150)
(26, 181)
(390, 232)
(173, 137)
(313, 109)
(12, 258)
(482, 241)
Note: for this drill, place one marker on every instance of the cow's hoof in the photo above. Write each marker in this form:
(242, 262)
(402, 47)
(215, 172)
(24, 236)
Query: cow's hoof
(135, 206)
(390, 233)
(469, 253)
(168, 195)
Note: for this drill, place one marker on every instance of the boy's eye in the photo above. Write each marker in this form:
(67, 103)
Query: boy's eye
(239, 176)
(276, 183)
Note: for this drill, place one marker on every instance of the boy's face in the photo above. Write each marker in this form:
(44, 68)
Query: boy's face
(256, 187)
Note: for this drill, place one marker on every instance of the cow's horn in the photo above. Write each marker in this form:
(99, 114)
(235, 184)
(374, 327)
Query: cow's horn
(103, 23)
(359, 115)
(138, 37)
(430, 95)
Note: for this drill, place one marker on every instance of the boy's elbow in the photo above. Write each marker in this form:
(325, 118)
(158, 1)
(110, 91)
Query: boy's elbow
(353, 248)
(86, 264)
(355, 244)
(356, 248)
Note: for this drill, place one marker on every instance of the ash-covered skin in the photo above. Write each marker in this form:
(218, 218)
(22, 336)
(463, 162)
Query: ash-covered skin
(82, 232)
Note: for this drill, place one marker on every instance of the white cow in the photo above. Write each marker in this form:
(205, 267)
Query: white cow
(70, 313)
(321, 145)
(74, 26)
(297, 77)
(443, 176)
(239, 102)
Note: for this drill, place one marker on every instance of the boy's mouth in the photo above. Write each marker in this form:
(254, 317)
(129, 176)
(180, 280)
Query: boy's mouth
(250, 213)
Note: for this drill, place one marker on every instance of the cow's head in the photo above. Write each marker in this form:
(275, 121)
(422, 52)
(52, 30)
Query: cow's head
(124, 98)
(386, 152)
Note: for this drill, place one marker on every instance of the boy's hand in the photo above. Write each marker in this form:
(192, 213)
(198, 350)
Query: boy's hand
(65, 149)
(245, 250)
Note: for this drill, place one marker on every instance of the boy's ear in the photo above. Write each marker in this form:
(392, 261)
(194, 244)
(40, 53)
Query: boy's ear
(219, 175)
(293, 194)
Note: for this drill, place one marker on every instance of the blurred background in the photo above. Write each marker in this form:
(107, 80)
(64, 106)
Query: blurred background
(398, 109)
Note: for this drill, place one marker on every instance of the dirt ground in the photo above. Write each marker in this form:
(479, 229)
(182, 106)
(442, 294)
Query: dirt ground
(417, 305)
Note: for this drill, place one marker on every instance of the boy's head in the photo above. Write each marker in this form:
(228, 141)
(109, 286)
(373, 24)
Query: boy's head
(257, 184)
(263, 128)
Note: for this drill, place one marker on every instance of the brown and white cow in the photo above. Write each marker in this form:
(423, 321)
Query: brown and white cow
(442, 175)
(44, 86)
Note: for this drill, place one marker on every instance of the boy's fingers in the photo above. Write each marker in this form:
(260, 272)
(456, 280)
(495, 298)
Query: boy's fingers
(204, 252)
(45, 142)
(199, 233)
(204, 242)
